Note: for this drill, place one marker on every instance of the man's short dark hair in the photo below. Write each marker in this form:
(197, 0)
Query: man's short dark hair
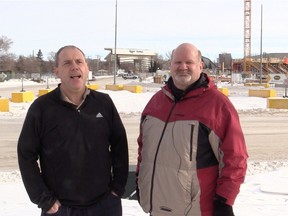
(62, 48)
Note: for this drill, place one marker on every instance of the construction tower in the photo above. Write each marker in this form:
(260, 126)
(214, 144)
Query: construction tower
(247, 36)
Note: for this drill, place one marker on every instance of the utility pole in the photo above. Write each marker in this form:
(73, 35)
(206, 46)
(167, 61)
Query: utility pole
(115, 45)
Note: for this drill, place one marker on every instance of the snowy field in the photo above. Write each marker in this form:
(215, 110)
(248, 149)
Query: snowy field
(264, 192)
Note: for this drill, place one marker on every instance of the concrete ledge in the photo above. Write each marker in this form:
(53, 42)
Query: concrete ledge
(265, 93)
(133, 88)
(93, 86)
(4, 105)
(43, 91)
(19, 97)
(277, 103)
(114, 87)
(266, 85)
(225, 91)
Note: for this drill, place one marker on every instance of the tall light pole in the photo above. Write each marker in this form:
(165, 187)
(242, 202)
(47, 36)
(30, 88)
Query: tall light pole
(22, 81)
(115, 45)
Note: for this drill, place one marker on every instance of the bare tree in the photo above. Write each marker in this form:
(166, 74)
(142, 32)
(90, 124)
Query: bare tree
(28, 64)
(5, 44)
(51, 57)
(7, 62)
(169, 55)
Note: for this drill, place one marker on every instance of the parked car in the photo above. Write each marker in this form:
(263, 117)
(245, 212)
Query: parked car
(130, 76)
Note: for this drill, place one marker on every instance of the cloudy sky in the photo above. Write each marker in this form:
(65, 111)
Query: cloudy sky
(159, 25)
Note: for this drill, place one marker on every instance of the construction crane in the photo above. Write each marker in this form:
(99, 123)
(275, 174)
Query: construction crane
(247, 36)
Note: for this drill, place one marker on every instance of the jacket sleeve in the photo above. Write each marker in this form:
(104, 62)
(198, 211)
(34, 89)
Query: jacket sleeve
(119, 150)
(28, 150)
(232, 154)
(139, 158)
(140, 144)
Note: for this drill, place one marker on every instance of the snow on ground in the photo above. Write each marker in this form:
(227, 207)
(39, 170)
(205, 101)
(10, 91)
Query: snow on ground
(264, 192)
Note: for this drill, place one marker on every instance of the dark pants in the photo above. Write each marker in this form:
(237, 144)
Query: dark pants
(110, 205)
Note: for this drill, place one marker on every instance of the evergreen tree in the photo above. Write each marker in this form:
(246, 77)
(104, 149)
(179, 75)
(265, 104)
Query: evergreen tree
(40, 55)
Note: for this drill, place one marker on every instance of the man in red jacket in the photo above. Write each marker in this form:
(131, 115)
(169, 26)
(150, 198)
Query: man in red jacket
(192, 156)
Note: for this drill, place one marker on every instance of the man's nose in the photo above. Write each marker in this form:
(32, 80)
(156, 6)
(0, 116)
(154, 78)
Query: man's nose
(183, 65)
(74, 65)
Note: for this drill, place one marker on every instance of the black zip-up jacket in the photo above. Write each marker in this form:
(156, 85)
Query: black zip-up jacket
(83, 152)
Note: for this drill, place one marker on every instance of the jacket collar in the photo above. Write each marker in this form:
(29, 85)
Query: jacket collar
(202, 84)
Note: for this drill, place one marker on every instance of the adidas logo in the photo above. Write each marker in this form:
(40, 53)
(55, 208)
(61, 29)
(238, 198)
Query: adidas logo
(99, 115)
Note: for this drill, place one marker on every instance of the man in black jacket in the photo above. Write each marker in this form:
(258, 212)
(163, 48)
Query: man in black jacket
(72, 150)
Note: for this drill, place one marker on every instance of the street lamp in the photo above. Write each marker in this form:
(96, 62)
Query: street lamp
(47, 81)
(115, 45)
(22, 81)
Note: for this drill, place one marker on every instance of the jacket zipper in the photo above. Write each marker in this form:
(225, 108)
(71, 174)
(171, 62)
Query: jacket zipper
(191, 141)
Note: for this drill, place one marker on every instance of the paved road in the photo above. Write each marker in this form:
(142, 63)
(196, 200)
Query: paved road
(266, 133)
(266, 136)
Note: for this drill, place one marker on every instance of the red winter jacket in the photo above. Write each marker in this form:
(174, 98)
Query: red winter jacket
(189, 151)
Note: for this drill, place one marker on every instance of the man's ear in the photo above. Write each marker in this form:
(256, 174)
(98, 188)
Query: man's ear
(201, 65)
(169, 63)
(56, 72)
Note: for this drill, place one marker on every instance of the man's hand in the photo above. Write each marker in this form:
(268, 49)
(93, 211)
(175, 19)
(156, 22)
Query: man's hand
(222, 209)
(54, 208)
(112, 192)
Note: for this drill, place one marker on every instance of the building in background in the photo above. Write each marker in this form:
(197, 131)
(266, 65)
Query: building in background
(131, 59)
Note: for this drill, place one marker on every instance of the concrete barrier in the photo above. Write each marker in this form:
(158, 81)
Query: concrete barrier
(93, 86)
(43, 91)
(265, 93)
(225, 91)
(19, 97)
(266, 85)
(4, 104)
(133, 88)
(114, 87)
(277, 103)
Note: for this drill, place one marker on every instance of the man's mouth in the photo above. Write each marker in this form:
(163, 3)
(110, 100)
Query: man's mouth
(75, 77)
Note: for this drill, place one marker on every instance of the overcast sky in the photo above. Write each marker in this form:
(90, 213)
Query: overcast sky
(214, 26)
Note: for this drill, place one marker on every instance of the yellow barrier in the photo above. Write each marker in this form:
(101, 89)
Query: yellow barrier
(265, 93)
(266, 85)
(43, 91)
(19, 97)
(225, 91)
(4, 105)
(277, 103)
(93, 86)
(133, 88)
(114, 87)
